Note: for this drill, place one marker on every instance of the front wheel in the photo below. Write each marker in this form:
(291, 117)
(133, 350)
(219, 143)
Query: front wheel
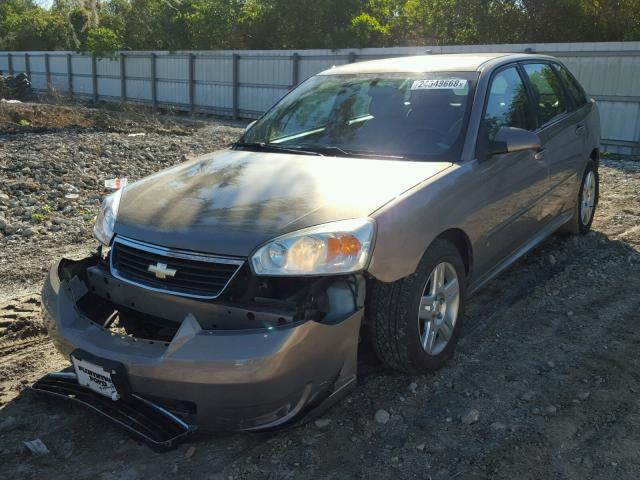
(416, 321)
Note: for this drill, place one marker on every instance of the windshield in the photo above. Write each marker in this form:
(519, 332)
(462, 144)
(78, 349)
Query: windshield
(417, 116)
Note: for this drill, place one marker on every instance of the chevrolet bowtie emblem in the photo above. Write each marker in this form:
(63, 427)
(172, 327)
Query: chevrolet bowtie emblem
(161, 270)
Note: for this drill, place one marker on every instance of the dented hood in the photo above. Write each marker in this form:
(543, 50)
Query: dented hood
(230, 202)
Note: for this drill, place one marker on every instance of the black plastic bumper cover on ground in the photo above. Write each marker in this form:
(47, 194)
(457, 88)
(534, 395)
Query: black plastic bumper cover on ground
(142, 419)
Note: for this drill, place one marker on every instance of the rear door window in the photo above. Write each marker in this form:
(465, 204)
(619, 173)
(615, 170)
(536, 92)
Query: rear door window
(549, 94)
(574, 88)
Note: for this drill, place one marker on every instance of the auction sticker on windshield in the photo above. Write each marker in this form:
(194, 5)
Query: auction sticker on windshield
(95, 378)
(439, 84)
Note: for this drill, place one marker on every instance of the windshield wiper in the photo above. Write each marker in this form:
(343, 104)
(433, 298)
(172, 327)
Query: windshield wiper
(338, 151)
(331, 150)
(270, 147)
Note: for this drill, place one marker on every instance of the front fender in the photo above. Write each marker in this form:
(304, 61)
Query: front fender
(411, 222)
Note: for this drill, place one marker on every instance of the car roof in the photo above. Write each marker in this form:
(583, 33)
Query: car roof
(458, 62)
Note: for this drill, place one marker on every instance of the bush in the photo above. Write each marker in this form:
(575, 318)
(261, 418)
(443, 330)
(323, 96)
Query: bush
(366, 31)
(103, 42)
(34, 29)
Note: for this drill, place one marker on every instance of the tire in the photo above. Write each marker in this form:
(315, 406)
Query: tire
(579, 225)
(397, 332)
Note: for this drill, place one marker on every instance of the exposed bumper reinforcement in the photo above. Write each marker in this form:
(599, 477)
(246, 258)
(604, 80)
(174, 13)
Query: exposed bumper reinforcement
(140, 418)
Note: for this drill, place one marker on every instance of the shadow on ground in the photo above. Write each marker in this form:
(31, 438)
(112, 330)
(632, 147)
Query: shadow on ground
(548, 360)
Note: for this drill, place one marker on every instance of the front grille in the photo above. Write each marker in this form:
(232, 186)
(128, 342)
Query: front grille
(196, 275)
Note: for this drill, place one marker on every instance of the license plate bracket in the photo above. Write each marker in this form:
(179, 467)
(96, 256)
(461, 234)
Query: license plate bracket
(103, 376)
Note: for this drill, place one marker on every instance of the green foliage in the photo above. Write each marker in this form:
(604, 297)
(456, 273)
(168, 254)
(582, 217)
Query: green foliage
(104, 26)
(23, 26)
(366, 31)
(42, 215)
(103, 42)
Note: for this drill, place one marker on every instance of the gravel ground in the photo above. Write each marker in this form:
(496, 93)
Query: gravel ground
(544, 384)
(52, 174)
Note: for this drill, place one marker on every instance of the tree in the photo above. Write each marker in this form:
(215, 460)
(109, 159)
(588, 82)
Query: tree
(381, 23)
(444, 21)
(101, 25)
(613, 20)
(366, 31)
(546, 20)
(25, 26)
(103, 42)
(81, 16)
(209, 24)
(298, 23)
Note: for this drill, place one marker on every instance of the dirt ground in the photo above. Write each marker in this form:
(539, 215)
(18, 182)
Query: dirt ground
(550, 361)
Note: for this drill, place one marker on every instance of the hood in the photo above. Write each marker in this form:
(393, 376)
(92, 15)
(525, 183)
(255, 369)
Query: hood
(230, 202)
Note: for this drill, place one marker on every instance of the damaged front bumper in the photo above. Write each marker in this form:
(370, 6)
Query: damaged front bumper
(144, 420)
(217, 379)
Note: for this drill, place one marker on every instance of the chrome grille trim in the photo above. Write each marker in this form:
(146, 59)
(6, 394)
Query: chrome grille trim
(172, 253)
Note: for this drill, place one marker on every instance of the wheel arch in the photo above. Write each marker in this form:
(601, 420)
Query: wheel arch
(454, 235)
(461, 241)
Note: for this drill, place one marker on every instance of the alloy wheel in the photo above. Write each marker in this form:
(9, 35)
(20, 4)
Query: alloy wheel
(439, 307)
(588, 200)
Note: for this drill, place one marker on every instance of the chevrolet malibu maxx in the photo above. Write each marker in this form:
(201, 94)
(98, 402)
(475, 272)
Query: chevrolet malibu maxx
(232, 291)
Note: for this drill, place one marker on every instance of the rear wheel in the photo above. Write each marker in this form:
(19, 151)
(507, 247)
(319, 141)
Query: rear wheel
(586, 203)
(416, 321)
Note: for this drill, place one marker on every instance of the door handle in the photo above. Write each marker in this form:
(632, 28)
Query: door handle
(581, 129)
(540, 154)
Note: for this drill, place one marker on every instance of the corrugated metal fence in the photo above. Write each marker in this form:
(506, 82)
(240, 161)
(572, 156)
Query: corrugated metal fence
(243, 84)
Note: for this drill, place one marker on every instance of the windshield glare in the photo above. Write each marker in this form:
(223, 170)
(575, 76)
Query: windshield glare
(415, 116)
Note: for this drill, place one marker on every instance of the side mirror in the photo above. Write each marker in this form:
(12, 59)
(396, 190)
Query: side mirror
(248, 127)
(511, 140)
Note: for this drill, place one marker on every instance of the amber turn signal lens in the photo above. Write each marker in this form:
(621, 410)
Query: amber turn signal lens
(327, 249)
(341, 246)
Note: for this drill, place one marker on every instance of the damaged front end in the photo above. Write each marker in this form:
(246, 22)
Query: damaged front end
(263, 353)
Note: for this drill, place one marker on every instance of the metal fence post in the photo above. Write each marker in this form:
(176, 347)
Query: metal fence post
(10, 62)
(27, 65)
(69, 74)
(94, 78)
(47, 70)
(192, 83)
(123, 77)
(236, 85)
(154, 86)
(295, 70)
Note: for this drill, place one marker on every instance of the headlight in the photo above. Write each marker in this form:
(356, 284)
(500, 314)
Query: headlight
(106, 219)
(337, 247)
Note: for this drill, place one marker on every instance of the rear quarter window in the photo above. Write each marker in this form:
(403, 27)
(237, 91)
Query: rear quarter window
(574, 88)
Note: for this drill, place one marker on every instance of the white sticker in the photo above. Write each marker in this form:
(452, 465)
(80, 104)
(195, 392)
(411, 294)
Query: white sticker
(439, 84)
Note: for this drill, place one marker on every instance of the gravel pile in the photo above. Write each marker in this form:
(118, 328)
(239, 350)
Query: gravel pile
(52, 183)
